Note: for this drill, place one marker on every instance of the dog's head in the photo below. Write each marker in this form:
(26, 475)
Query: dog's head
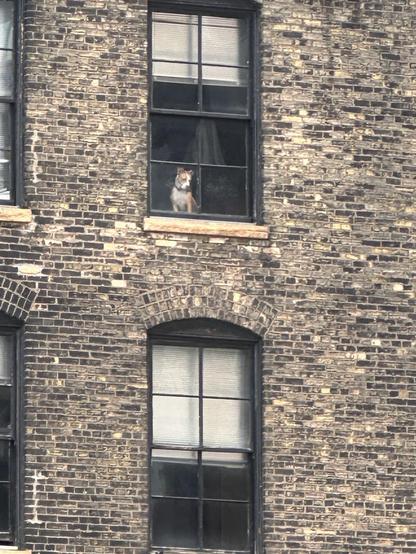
(183, 178)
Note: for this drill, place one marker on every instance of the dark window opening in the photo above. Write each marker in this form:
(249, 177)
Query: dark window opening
(202, 140)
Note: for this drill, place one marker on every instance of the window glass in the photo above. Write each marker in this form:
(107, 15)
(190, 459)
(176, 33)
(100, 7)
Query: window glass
(174, 139)
(4, 507)
(175, 37)
(224, 90)
(225, 476)
(225, 41)
(4, 406)
(175, 522)
(226, 423)
(225, 525)
(6, 356)
(223, 142)
(226, 373)
(6, 95)
(6, 73)
(175, 86)
(174, 473)
(223, 191)
(175, 370)
(175, 420)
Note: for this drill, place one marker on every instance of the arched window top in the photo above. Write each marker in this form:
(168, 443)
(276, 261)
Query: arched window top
(6, 320)
(203, 328)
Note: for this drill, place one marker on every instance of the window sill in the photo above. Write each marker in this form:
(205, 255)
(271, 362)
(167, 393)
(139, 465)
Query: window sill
(204, 227)
(13, 214)
(13, 550)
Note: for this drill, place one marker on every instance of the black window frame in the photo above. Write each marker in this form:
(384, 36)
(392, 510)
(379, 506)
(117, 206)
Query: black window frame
(16, 103)
(206, 333)
(230, 8)
(14, 435)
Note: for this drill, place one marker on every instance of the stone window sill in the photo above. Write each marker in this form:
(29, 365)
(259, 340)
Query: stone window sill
(13, 214)
(13, 550)
(205, 227)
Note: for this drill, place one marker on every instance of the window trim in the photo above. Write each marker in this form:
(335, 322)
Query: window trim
(250, 10)
(165, 334)
(17, 123)
(12, 326)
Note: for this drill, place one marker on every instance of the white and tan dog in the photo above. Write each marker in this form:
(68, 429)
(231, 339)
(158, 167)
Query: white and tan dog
(181, 195)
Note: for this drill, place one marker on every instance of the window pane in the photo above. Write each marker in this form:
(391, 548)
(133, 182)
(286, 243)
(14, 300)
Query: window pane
(226, 423)
(4, 461)
(5, 127)
(175, 370)
(223, 191)
(175, 421)
(225, 41)
(6, 356)
(174, 139)
(6, 73)
(4, 407)
(5, 178)
(224, 89)
(4, 508)
(174, 473)
(175, 86)
(225, 525)
(225, 476)
(223, 142)
(175, 522)
(226, 372)
(6, 24)
(162, 182)
(175, 37)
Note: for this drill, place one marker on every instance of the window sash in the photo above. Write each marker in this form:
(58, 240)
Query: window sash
(243, 189)
(9, 96)
(200, 450)
(8, 437)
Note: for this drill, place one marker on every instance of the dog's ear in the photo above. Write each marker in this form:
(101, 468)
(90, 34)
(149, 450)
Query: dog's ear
(190, 172)
(179, 170)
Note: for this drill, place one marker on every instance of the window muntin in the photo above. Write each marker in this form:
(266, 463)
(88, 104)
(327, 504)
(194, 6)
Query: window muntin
(202, 453)
(201, 114)
(7, 434)
(7, 99)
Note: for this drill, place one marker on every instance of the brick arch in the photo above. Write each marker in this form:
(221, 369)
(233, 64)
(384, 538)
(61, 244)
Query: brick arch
(191, 301)
(16, 298)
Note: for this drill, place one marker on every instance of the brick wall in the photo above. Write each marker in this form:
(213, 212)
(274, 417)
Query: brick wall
(330, 291)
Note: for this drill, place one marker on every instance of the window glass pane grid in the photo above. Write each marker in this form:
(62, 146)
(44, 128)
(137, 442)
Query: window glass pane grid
(201, 500)
(214, 459)
(212, 148)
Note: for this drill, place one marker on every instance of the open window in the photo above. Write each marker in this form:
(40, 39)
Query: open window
(202, 136)
(204, 479)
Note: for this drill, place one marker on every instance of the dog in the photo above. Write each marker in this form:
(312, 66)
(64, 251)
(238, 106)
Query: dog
(181, 196)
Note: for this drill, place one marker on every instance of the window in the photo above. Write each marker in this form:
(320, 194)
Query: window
(202, 145)
(8, 101)
(9, 406)
(203, 493)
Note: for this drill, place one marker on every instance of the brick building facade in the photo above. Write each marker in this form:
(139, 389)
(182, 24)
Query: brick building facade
(323, 277)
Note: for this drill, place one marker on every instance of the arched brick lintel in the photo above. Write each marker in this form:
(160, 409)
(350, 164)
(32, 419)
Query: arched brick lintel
(16, 298)
(191, 301)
